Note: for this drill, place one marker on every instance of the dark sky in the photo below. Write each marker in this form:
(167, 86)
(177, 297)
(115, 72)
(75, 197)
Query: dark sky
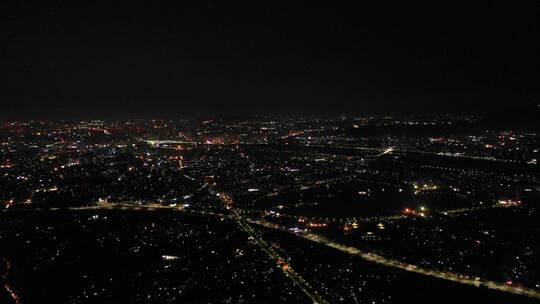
(226, 57)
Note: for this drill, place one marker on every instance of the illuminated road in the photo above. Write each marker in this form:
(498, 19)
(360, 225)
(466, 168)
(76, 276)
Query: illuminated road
(318, 184)
(371, 219)
(127, 207)
(378, 150)
(444, 275)
(295, 277)
(7, 286)
(289, 272)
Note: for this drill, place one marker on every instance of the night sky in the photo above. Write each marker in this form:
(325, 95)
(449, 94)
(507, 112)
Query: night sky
(234, 58)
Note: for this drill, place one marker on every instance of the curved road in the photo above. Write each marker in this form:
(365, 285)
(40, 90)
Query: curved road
(368, 256)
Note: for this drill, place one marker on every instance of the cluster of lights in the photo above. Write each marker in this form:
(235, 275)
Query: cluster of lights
(317, 225)
(421, 211)
(509, 202)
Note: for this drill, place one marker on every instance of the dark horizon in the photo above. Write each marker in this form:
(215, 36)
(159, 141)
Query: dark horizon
(224, 58)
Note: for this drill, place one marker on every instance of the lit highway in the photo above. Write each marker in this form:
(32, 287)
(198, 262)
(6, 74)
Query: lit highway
(379, 151)
(318, 184)
(444, 275)
(289, 272)
(243, 223)
(6, 265)
(373, 219)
